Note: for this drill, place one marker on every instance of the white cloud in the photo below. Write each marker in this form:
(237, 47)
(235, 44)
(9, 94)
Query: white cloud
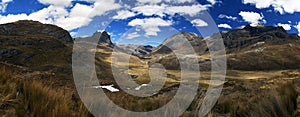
(46, 15)
(149, 1)
(285, 26)
(199, 23)
(224, 26)
(56, 2)
(252, 17)
(79, 15)
(124, 14)
(150, 25)
(282, 6)
(187, 10)
(6, 1)
(62, 13)
(73, 34)
(133, 35)
(180, 1)
(103, 6)
(149, 10)
(12, 18)
(3, 5)
(298, 28)
(227, 17)
(168, 1)
(161, 10)
(212, 1)
(259, 3)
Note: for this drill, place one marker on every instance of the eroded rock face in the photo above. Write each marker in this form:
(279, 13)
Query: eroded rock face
(26, 27)
(105, 37)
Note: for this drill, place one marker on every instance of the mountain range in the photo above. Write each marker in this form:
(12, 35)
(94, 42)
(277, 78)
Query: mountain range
(43, 52)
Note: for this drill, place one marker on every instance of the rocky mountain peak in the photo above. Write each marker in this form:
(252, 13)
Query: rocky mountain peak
(103, 37)
(259, 29)
(249, 35)
(179, 42)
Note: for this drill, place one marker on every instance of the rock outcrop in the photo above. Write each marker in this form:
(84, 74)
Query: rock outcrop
(28, 28)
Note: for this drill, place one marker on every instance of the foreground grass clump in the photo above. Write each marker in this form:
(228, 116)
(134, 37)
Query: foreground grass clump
(7, 94)
(274, 102)
(32, 98)
(42, 101)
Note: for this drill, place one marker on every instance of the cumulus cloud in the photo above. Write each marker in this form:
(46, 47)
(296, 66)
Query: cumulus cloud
(199, 23)
(161, 10)
(77, 18)
(252, 17)
(68, 16)
(285, 26)
(282, 6)
(149, 10)
(133, 35)
(124, 14)
(159, 1)
(150, 25)
(103, 6)
(3, 5)
(222, 16)
(46, 15)
(149, 1)
(180, 1)
(186, 10)
(224, 26)
(56, 2)
(212, 1)
(56, 13)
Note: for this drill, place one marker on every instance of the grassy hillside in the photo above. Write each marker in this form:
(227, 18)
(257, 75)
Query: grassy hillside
(31, 97)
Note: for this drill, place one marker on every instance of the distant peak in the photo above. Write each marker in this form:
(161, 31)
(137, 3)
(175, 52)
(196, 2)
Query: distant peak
(259, 28)
(104, 37)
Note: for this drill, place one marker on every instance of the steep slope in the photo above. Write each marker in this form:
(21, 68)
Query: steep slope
(36, 72)
(36, 47)
(178, 43)
(262, 48)
(249, 48)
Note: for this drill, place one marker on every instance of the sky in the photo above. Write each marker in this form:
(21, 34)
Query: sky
(152, 21)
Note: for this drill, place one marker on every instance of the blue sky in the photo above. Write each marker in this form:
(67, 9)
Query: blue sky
(152, 21)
